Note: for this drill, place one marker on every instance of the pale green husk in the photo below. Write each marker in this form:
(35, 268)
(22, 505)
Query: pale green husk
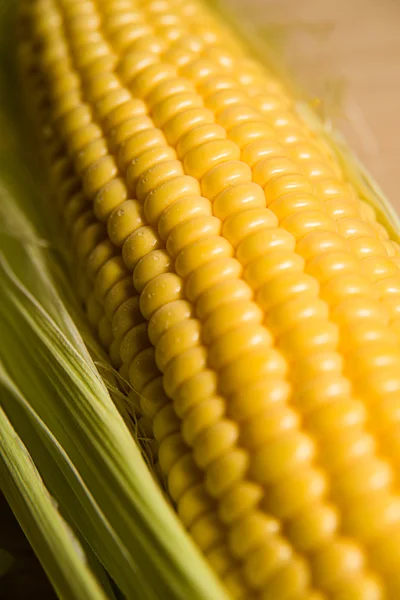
(43, 524)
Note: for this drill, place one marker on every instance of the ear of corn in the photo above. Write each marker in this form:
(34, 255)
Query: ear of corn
(240, 285)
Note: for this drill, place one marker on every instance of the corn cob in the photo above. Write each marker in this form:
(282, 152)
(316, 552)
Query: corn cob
(240, 285)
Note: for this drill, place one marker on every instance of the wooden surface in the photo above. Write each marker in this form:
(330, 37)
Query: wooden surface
(346, 52)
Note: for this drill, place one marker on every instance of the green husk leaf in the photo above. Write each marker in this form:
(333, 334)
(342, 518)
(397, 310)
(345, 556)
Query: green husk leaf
(59, 473)
(94, 435)
(50, 536)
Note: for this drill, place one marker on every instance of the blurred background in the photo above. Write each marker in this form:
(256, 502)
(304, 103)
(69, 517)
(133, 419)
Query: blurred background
(347, 54)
